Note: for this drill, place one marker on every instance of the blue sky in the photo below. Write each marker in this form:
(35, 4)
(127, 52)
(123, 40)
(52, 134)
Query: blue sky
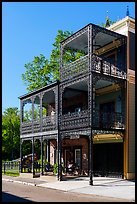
(29, 29)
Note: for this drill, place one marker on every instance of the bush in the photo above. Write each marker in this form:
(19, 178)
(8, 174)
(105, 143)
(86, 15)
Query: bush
(55, 168)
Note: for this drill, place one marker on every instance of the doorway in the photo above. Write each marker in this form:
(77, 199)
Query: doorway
(108, 159)
(107, 114)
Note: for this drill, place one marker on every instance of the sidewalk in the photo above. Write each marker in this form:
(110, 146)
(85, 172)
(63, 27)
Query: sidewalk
(102, 186)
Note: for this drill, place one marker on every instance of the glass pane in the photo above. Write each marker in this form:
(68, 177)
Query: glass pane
(77, 158)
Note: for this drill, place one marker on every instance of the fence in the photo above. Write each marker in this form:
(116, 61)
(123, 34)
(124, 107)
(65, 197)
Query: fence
(14, 167)
(10, 167)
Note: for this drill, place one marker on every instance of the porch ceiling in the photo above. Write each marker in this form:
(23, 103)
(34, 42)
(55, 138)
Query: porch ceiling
(81, 42)
(82, 86)
(49, 97)
(75, 89)
(102, 84)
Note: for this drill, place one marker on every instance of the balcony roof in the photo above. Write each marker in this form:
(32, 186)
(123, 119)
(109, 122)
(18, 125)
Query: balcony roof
(47, 87)
(79, 40)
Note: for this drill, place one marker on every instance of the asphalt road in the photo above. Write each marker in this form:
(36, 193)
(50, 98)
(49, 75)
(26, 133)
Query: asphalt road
(17, 192)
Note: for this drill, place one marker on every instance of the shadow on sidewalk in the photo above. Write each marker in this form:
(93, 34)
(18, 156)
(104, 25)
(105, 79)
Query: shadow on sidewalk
(6, 197)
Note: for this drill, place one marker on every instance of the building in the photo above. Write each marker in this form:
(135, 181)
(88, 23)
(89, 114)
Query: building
(88, 117)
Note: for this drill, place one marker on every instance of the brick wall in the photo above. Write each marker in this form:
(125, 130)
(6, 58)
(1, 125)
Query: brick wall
(72, 144)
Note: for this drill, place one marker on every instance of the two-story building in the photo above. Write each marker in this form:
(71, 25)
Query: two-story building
(88, 117)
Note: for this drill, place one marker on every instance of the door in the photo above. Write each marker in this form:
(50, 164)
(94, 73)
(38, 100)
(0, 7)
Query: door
(108, 159)
(68, 156)
(107, 115)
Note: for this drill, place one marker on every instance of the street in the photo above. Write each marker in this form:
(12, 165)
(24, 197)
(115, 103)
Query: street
(17, 192)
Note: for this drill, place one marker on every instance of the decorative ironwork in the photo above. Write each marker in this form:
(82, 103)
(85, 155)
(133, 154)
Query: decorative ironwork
(80, 67)
(74, 36)
(74, 120)
(49, 123)
(106, 68)
(26, 128)
(36, 126)
(56, 89)
(97, 29)
(108, 120)
(76, 68)
(100, 131)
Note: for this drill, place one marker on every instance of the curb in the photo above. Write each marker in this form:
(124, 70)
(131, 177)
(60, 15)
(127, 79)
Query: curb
(22, 182)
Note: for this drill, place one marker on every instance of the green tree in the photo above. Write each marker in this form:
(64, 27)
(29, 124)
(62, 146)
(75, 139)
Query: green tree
(10, 134)
(37, 73)
(42, 71)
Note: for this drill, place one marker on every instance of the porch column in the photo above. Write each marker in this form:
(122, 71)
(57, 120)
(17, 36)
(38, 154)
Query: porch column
(90, 100)
(90, 159)
(21, 120)
(41, 96)
(59, 146)
(42, 155)
(32, 100)
(33, 172)
(48, 150)
(59, 113)
(20, 167)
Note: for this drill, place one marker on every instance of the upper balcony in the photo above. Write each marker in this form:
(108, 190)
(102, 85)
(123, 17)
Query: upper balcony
(80, 67)
(101, 50)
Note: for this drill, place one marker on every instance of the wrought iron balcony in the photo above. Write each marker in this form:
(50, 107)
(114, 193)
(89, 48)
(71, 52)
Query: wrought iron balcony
(110, 120)
(104, 67)
(80, 66)
(74, 120)
(104, 120)
(49, 123)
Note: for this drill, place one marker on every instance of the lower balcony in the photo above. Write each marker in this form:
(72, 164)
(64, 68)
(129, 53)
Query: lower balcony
(74, 120)
(108, 120)
(101, 120)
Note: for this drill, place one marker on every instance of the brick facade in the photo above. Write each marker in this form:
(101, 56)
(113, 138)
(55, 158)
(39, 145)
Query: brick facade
(73, 144)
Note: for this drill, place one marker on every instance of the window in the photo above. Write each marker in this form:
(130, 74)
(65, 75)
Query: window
(78, 158)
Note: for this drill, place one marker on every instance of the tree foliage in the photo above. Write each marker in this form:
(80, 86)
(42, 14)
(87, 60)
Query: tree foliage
(10, 133)
(38, 73)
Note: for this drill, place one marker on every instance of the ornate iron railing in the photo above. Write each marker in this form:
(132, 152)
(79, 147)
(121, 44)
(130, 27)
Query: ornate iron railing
(80, 66)
(114, 120)
(75, 68)
(102, 120)
(104, 67)
(36, 125)
(74, 120)
(26, 127)
(49, 123)
(77, 120)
